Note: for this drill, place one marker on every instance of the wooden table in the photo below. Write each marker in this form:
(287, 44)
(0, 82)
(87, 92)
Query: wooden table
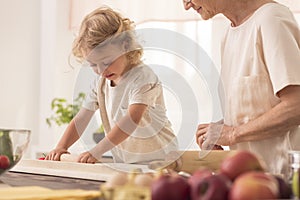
(52, 182)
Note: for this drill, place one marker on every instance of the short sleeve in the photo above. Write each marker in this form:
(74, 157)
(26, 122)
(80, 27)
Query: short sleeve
(146, 88)
(280, 35)
(91, 100)
(146, 94)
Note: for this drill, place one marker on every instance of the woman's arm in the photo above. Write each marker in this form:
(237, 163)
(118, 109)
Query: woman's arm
(122, 130)
(277, 121)
(280, 119)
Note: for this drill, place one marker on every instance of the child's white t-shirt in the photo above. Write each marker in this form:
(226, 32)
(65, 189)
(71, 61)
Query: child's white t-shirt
(154, 137)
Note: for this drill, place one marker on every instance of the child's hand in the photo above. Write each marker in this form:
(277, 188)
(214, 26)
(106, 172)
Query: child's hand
(87, 157)
(55, 154)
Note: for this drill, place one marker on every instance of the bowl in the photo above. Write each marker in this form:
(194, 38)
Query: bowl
(13, 143)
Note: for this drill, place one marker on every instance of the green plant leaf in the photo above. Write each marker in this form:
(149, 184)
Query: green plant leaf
(63, 112)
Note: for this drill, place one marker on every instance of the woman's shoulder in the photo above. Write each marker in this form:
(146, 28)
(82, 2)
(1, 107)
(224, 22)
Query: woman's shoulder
(272, 17)
(272, 12)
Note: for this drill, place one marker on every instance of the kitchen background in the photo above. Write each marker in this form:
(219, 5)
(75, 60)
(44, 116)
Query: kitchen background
(36, 39)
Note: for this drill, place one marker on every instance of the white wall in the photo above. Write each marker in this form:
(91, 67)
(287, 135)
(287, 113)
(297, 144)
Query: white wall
(19, 68)
(57, 76)
(35, 45)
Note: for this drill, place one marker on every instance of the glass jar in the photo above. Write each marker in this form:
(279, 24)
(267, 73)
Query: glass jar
(294, 172)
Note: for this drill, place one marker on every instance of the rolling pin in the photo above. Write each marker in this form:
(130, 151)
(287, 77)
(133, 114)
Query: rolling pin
(66, 157)
(69, 157)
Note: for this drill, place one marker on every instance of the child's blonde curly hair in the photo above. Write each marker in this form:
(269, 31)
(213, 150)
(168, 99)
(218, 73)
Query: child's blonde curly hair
(101, 25)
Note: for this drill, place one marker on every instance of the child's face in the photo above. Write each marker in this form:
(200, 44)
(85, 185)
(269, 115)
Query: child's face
(109, 61)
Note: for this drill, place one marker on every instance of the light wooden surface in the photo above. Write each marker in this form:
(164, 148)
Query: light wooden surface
(193, 160)
(43, 193)
(3, 185)
(190, 161)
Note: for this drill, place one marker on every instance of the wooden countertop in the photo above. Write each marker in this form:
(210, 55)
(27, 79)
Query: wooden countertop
(53, 182)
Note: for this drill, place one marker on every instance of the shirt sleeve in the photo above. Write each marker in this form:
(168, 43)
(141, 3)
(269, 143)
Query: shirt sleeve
(91, 100)
(280, 35)
(146, 94)
(145, 89)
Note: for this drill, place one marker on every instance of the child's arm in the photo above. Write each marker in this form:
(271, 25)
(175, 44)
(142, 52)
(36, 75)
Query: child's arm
(118, 134)
(71, 134)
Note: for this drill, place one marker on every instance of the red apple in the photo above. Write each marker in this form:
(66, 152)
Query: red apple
(213, 187)
(254, 185)
(4, 162)
(172, 187)
(195, 179)
(239, 163)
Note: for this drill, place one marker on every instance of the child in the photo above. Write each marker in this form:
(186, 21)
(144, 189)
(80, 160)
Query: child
(127, 92)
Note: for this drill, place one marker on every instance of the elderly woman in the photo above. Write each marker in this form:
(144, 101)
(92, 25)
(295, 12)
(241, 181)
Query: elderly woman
(260, 73)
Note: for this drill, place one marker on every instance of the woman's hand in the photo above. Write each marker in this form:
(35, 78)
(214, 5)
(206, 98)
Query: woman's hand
(87, 157)
(56, 153)
(214, 134)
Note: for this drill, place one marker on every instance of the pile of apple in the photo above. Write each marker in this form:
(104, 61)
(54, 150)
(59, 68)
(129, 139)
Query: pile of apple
(241, 177)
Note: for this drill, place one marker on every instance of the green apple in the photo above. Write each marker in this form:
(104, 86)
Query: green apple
(295, 184)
